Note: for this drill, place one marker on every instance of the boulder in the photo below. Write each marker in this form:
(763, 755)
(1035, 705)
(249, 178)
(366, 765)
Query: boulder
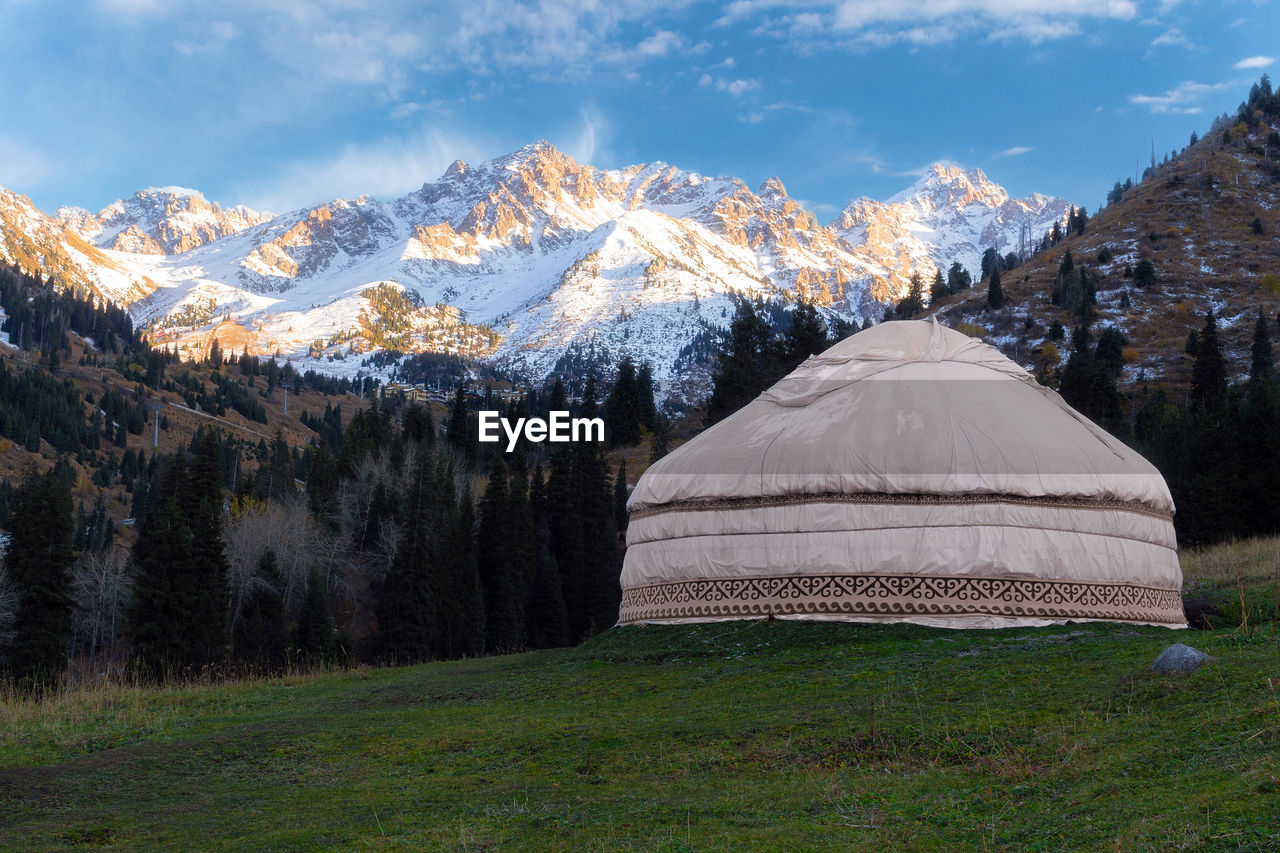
(1180, 658)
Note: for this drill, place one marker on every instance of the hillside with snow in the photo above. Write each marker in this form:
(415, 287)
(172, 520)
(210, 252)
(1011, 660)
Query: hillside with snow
(517, 261)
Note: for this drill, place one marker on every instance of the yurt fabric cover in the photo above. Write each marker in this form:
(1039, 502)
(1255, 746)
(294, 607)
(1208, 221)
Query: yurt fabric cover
(908, 474)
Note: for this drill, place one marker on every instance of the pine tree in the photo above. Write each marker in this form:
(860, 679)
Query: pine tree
(38, 561)
(1209, 374)
(418, 426)
(259, 637)
(544, 608)
(521, 547)
(623, 408)
(313, 635)
(913, 303)
(163, 595)
(323, 482)
(1144, 273)
(1261, 433)
(939, 289)
(995, 291)
(600, 592)
(503, 599)
(745, 364)
(645, 391)
(407, 602)
(208, 620)
(958, 278)
(807, 335)
(469, 636)
(460, 436)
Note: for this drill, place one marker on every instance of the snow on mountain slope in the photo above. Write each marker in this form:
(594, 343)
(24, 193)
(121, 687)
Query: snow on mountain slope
(949, 215)
(517, 260)
(159, 221)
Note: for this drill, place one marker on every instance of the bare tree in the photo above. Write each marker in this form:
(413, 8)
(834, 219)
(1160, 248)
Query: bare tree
(102, 587)
(288, 529)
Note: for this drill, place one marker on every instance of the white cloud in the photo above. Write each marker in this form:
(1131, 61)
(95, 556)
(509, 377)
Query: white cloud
(1172, 37)
(592, 142)
(875, 23)
(1254, 62)
(384, 169)
(1180, 99)
(659, 44)
(736, 88)
(1015, 151)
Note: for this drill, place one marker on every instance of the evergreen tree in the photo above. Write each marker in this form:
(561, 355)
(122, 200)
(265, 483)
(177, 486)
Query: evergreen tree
(460, 436)
(1209, 374)
(469, 633)
(323, 482)
(939, 289)
(807, 335)
(912, 304)
(1144, 273)
(418, 426)
(995, 291)
(259, 637)
(645, 391)
(314, 633)
(1262, 364)
(407, 602)
(1086, 310)
(745, 364)
(958, 278)
(503, 599)
(623, 408)
(990, 262)
(522, 547)
(38, 561)
(164, 596)
(544, 608)
(210, 595)
(1088, 381)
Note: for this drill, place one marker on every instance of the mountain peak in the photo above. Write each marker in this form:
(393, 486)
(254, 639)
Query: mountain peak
(946, 183)
(772, 188)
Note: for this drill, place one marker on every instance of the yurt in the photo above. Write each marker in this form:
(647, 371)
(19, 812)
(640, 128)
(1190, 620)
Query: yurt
(908, 474)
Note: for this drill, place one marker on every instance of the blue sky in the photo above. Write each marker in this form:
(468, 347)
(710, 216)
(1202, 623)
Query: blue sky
(282, 103)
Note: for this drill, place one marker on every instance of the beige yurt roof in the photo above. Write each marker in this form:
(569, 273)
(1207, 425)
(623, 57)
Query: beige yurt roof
(907, 454)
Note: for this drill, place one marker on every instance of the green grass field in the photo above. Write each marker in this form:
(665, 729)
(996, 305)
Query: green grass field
(774, 736)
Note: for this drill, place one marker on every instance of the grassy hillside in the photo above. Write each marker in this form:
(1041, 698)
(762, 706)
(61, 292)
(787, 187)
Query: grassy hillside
(1193, 219)
(724, 736)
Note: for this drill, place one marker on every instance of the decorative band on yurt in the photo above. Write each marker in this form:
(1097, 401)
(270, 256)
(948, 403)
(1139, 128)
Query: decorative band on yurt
(721, 504)
(871, 596)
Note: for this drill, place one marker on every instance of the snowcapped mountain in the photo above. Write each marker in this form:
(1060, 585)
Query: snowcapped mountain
(517, 260)
(949, 215)
(159, 221)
